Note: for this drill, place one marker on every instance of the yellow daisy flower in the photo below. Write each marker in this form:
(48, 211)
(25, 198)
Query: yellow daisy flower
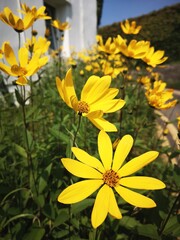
(135, 49)
(130, 27)
(37, 13)
(96, 99)
(62, 26)
(37, 44)
(18, 24)
(153, 58)
(24, 67)
(109, 174)
(159, 97)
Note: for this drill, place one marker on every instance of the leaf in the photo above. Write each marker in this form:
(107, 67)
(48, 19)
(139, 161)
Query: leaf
(19, 98)
(148, 230)
(23, 215)
(12, 192)
(80, 206)
(34, 234)
(43, 180)
(172, 227)
(20, 150)
(62, 217)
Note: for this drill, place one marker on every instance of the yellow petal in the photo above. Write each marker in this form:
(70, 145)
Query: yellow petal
(103, 124)
(141, 182)
(6, 69)
(79, 191)
(135, 198)
(69, 90)
(9, 54)
(123, 148)
(59, 85)
(101, 206)
(22, 81)
(80, 169)
(95, 88)
(84, 157)
(23, 56)
(105, 149)
(137, 163)
(113, 207)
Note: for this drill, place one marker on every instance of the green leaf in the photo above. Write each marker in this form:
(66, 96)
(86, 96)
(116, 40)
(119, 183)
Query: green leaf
(23, 215)
(43, 180)
(19, 98)
(20, 150)
(172, 227)
(61, 218)
(40, 200)
(34, 234)
(148, 230)
(80, 206)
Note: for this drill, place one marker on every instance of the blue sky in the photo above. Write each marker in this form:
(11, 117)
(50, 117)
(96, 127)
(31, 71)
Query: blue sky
(119, 10)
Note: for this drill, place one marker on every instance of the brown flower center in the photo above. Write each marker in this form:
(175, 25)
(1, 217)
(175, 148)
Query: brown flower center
(19, 71)
(83, 107)
(111, 178)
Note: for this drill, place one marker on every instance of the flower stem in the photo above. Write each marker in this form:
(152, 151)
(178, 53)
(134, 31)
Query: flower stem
(28, 149)
(168, 216)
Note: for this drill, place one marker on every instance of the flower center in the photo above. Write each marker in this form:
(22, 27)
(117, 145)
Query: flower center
(83, 107)
(19, 71)
(111, 178)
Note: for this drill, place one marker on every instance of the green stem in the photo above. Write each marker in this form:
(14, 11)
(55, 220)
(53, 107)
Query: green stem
(168, 216)
(28, 148)
(75, 135)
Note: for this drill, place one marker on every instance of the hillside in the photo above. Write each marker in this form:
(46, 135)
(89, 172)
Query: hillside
(161, 27)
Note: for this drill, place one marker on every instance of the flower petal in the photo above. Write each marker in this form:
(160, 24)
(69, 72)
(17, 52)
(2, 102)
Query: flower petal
(123, 148)
(79, 191)
(135, 198)
(113, 207)
(89, 160)
(101, 206)
(9, 54)
(95, 88)
(103, 124)
(137, 163)
(141, 182)
(23, 56)
(105, 149)
(80, 169)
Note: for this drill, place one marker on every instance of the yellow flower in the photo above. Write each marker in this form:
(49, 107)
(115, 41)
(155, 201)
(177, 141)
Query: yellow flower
(135, 49)
(96, 99)
(18, 24)
(37, 13)
(153, 58)
(109, 46)
(40, 44)
(109, 174)
(159, 97)
(62, 26)
(24, 67)
(130, 28)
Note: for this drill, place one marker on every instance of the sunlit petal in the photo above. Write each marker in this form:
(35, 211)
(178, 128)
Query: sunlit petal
(79, 191)
(141, 182)
(137, 163)
(103, 124)
(135, 198)
(113, 207)
(123, 148)
(101, 206)
(80, 169)
(84, 157)
(105, 149)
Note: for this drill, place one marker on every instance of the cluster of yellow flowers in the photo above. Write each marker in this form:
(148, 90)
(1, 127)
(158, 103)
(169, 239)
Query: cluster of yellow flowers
(97, 98)
(30, 56)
